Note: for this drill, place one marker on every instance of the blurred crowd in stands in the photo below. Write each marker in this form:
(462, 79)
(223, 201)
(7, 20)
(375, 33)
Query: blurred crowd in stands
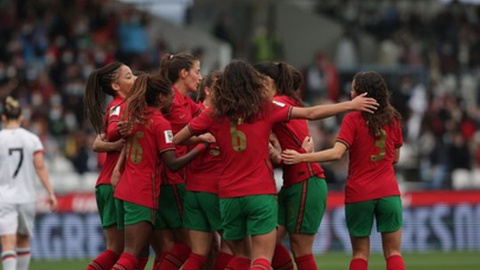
(48, 49)
(430, 60)
(433, 51)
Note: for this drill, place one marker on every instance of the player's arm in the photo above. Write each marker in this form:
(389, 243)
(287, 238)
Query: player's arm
(335, 153)
(396, 156)
(359, 103)
(101, 145)
(274, 149)
(203, 138)
(41, 171)
(115, 178)
(307, 145)
(175, 163)
(275, 154)
(183, 135)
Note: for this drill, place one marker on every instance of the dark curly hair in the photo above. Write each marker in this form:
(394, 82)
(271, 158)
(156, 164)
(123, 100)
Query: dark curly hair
(375, 86)
(240, 93)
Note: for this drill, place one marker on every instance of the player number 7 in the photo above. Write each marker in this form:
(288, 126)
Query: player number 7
(20, 161)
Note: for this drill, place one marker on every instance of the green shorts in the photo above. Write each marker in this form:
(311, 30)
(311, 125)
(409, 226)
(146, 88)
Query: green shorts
(131, 213)
(387, 212)
(106, 205)
(301, 206)
(171, 207)
(249, 215)
(201, 211)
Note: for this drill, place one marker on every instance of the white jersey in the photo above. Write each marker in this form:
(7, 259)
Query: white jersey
(17, 171)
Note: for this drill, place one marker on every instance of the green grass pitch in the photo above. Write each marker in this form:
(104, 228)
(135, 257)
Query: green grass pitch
(337, 261)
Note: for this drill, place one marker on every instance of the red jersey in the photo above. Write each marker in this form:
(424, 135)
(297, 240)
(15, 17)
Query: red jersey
(140, 181)
(370, 174)
(112, 116)
(203, 171)
(183, 110)
(291, 135)
(247, 169)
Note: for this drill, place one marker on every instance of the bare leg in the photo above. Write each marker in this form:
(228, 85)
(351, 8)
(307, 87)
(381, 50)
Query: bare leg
(263, 245)
(114, 238)
(137, 236)
(200, 242)
(392, 243)
(361, 247)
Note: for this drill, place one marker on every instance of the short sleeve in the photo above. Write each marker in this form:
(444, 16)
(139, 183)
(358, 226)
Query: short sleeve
(201, 123)
(113, 117)
(164, 135)
(37, 144)
(280, 112)
(346, 134)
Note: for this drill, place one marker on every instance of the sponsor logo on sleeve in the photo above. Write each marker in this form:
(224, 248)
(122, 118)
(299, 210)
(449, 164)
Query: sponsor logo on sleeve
(278, 103)
(168, 136)
(115, 111)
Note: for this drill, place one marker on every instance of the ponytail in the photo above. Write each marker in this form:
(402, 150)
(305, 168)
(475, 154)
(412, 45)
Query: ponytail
(172, 64)
(99, 84)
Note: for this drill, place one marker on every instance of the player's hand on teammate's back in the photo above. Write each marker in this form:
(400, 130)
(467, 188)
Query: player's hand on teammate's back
(274, 154)
(307, 144)
(290, 156)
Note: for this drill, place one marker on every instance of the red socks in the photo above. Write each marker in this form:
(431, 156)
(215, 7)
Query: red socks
(194, 262)
(156, 263)
(222, 260)
(175, 258)
(261, 264)
(281, 258)
(358, 264)
(104, 261)
(238, 263)
(306, 262)
(142, 262)
(125, 262)
(395, 262)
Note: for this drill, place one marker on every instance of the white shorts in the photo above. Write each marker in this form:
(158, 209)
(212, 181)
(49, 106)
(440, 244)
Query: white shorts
(17, 218)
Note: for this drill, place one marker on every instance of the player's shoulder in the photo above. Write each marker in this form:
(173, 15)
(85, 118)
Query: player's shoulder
(18, 132)
(282, 100)
(32, 136)
(158, 118)
(19, 135)
(353, 116)
(115, 107)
